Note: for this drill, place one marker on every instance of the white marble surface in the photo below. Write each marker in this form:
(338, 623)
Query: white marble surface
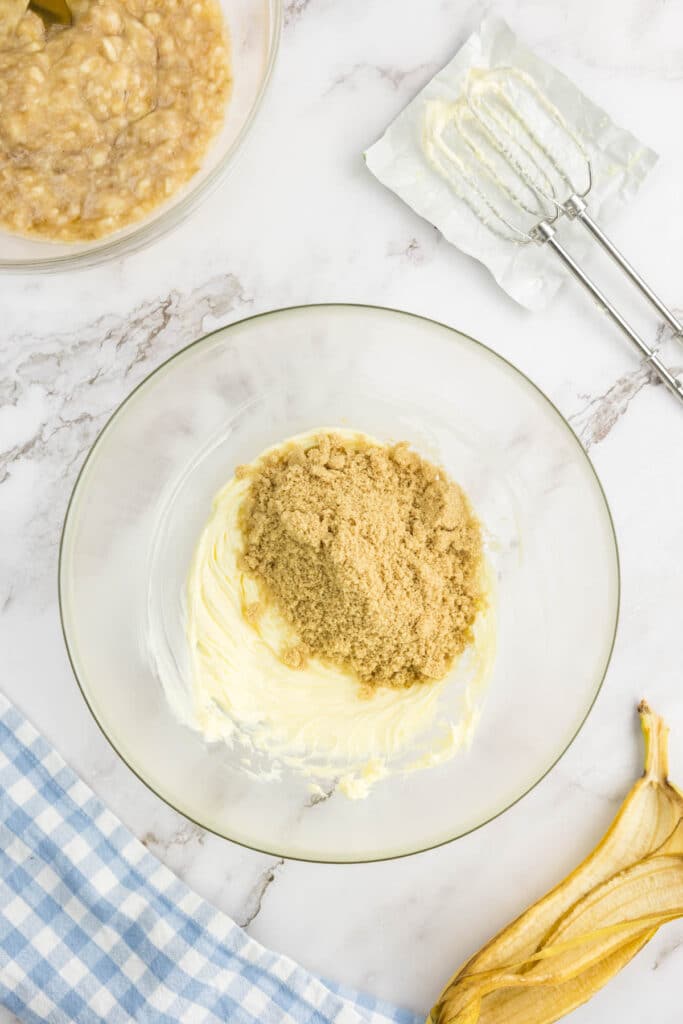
(301, 220)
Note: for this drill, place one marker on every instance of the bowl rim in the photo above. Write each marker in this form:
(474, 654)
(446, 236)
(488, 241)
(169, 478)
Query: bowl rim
(275, 850)
(167, 221)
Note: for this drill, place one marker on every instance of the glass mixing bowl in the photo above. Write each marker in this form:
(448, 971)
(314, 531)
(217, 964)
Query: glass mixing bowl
(254, 28)
(145, 492)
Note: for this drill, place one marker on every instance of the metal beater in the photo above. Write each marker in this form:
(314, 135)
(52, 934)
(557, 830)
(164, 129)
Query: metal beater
(511, 157)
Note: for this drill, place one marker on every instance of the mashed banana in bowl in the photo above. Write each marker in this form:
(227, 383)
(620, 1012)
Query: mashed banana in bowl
(339, 613)
(103, 121)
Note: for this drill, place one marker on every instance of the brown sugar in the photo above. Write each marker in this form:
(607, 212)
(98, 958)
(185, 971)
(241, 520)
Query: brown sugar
(371, 554)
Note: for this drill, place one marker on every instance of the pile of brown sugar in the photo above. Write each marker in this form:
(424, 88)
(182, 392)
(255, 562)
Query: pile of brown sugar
(371, 554)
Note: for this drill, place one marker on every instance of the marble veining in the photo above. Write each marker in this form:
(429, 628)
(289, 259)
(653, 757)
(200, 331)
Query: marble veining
(256, 896)
(320, 798)
(187, 833)
(300, 220)
(59, 391)
(601, 413)
(413, 251)
(294, 9)
(666, 953)
(354, 75)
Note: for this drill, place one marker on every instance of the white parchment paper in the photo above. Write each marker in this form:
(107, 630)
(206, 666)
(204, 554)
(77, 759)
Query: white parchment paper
(531, 274)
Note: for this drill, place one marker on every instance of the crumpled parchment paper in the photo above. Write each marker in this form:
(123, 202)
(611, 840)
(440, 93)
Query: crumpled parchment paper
(531, 273)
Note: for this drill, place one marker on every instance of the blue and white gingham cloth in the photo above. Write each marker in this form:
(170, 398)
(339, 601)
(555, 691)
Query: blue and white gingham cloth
(94, 928)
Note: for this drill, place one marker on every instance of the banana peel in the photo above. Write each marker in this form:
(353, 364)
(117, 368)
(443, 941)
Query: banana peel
(565, 947)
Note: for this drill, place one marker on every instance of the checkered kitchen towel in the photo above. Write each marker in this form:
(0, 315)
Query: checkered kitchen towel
(93, 928)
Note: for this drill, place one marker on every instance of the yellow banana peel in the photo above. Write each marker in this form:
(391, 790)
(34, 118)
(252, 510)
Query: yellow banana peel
(565, 947)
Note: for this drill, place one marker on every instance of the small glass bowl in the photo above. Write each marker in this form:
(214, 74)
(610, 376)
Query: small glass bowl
(254, 28)
(145, 492)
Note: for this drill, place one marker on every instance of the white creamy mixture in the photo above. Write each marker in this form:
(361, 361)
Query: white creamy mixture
(312, 720)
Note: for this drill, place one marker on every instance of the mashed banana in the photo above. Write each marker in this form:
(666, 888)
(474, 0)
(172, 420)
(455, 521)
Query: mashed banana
(103, 121)
(312, 719)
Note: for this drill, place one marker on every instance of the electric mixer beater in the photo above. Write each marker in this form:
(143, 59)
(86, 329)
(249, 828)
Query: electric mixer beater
(508, 153)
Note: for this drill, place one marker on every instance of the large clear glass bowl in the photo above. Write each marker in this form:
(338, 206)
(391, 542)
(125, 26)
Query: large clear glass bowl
(254, 29)
(144, 494)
